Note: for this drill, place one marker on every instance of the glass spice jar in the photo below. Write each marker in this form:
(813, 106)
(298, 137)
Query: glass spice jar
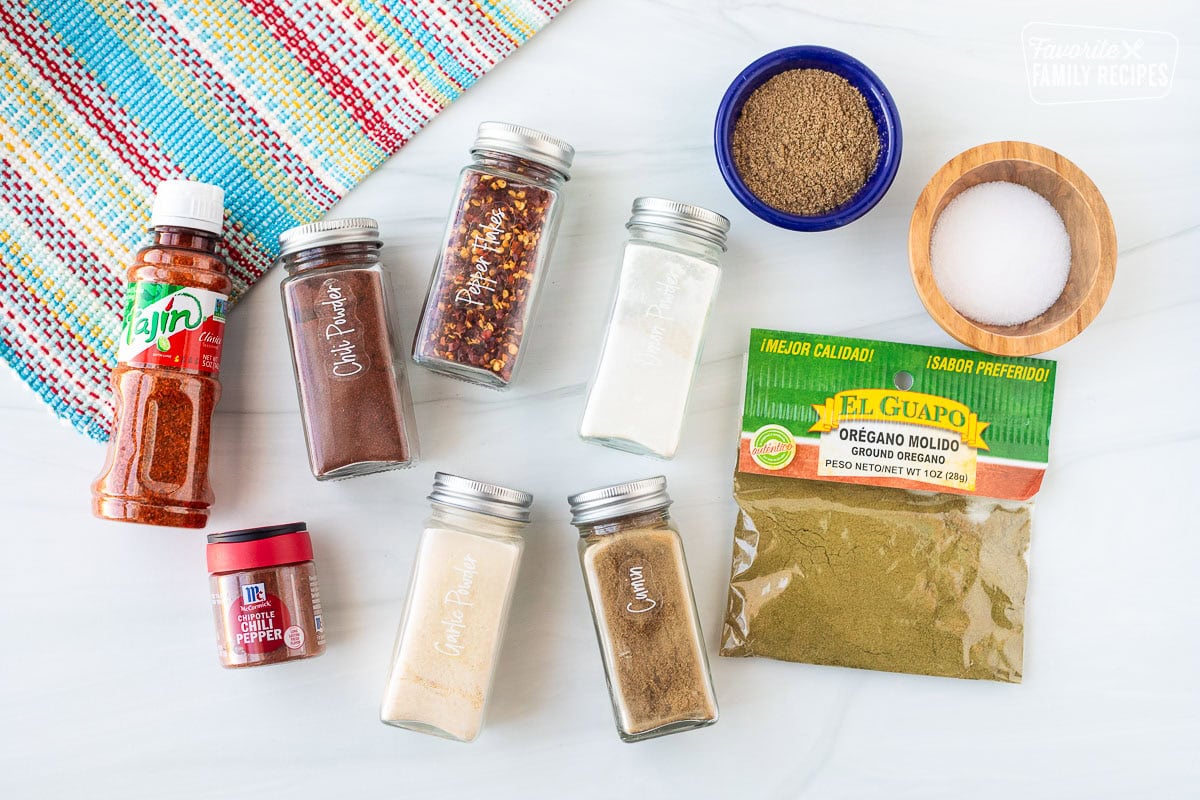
(457, 607)
(494, 255)
(667, 286)
(165, 385)
(265, 598)
(353, 389)
(644, 611)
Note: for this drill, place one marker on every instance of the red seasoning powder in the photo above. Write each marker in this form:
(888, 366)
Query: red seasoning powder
(350, 377)
(165, 386)
(265, 599)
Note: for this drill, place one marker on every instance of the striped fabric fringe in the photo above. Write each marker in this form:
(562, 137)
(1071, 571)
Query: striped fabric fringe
(286, 104)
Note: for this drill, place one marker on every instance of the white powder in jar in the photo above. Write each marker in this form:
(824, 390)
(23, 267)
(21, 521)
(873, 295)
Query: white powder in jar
(1000, 253)
(450, 637)
(639, 395)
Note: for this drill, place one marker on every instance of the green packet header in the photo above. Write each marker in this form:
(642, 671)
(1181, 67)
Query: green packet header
(881, 413)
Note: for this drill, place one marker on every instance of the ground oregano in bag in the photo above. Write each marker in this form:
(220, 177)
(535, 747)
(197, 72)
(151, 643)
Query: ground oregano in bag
(885, 500)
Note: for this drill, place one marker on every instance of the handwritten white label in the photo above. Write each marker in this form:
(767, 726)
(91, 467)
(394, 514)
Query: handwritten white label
(660, 313)
(341, 336)
(454, 606)
(486, 242)
(642, 601)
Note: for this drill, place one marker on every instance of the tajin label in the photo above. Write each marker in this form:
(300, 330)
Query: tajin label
(172, 326)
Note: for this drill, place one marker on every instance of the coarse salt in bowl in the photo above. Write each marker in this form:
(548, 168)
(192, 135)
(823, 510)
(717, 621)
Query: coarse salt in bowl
(1079, 205)
(879, 101)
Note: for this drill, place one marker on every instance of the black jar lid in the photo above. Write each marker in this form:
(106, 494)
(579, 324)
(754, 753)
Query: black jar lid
(253, 534)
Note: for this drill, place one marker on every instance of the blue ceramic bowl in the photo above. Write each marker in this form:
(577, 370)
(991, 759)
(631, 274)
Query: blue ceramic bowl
(879, 100)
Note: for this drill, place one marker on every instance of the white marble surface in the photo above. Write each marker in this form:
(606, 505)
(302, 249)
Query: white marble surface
(109, 685)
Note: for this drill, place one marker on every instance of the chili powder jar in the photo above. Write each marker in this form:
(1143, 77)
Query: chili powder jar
(643, 608)
(165, 384)
(494, 255)
(354, 397)
(265, 598)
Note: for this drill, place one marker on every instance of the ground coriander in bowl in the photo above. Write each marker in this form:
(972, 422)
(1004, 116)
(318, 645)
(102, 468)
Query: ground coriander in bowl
(805, 142)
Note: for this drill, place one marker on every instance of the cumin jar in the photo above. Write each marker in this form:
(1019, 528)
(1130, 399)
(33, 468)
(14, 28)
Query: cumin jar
(494, 255)
(265, 598)
(353, 389)
(640, 593)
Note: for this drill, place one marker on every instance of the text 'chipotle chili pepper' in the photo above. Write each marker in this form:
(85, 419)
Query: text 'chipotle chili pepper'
(165, 383)
(494, 255)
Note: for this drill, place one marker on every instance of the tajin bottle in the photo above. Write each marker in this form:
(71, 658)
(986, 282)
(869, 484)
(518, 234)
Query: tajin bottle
(165, 383)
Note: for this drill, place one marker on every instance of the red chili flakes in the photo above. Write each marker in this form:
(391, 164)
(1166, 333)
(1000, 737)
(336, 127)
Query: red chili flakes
(478, 305)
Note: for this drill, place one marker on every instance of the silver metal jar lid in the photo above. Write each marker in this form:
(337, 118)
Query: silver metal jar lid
(327, 232)
(517, 140)
(656, 212)
(483, 498)
(619, 501)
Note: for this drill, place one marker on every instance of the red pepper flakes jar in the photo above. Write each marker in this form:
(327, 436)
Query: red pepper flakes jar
(265, 598)
(494, 255)
(165, 383)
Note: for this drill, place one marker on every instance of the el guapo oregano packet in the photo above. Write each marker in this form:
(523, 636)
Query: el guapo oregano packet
(884, 505)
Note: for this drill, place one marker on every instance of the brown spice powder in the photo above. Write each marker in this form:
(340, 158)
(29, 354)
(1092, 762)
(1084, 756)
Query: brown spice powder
(357, 408)
(805, 142)
(650, 637)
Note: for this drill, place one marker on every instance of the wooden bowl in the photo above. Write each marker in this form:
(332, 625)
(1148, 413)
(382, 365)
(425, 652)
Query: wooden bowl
(1089, 225)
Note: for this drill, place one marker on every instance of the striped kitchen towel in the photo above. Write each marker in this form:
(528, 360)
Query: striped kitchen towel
(287, 104)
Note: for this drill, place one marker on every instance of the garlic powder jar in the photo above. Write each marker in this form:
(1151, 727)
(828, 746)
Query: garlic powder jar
(458, 600)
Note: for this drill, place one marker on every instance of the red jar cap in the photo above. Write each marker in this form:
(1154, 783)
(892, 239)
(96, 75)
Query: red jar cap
(255, 548)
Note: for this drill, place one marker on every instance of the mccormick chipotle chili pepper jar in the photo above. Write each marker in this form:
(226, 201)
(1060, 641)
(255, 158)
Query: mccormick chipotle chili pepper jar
(165, 383)
(494, 255)
(265, 599)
